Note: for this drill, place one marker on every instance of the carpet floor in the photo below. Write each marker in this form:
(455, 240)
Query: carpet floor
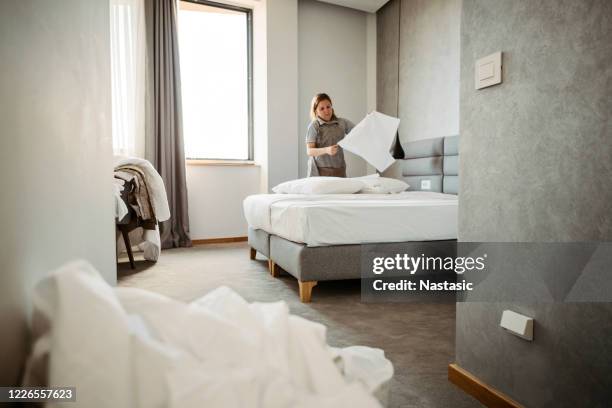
(419, 338)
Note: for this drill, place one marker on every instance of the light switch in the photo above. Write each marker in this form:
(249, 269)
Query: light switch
(517, 324)
(485, 71)
(489, 70)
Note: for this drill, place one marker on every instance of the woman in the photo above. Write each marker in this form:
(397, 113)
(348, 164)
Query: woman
(326, 158)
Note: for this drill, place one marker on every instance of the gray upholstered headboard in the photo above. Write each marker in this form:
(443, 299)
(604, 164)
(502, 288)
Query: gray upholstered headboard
(433, 163)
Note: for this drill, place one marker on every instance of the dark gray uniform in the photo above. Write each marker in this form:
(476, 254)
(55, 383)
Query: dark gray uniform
(324, 134)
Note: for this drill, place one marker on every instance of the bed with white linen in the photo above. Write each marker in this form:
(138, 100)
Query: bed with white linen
(318, 237)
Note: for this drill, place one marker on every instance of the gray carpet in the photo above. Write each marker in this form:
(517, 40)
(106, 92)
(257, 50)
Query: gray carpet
(418, 338)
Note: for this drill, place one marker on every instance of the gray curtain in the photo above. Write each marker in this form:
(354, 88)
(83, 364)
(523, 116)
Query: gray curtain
(165, 147)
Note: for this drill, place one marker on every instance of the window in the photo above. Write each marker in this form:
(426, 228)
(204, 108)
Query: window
(216, 70)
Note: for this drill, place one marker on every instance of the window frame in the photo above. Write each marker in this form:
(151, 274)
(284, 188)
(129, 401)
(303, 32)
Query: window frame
(249, 39)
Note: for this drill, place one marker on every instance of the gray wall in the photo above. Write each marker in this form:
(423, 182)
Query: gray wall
(55, 166)
(332, 59)
(387, 57)
(418, 67)
(429, 68)
(536, 165)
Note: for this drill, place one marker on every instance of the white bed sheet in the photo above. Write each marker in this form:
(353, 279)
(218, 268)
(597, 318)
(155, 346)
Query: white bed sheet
(126, 347)
(340, 219)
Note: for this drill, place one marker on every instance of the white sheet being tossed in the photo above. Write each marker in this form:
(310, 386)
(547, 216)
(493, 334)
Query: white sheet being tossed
(372, 139)
(126, 347)
(342, 219)
(148, 241)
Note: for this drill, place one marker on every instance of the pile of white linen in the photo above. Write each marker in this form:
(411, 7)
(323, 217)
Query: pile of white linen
(126, 347)
(121, 209)
(148, 241)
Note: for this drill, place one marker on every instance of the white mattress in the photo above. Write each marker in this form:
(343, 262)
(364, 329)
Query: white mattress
(336, 219)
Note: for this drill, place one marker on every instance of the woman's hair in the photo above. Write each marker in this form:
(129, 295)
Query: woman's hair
(316, 100)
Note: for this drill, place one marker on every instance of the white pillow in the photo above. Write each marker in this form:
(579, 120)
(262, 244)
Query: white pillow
(320, 185)
(382, 185)
(369, 176)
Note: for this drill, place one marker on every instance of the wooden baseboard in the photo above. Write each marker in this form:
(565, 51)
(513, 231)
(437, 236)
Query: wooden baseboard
(484, 393)
(218, 240)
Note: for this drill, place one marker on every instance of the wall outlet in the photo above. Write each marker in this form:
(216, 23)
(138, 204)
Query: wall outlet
(425, 184)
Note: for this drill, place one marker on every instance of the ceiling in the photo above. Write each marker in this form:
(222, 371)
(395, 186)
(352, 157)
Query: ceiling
(371, 6)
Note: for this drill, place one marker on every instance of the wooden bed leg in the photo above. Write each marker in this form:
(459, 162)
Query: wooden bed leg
(273, 268)
(253, 253)
(306, 290)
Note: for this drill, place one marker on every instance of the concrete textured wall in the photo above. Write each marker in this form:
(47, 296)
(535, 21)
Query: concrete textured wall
(332, 59)
(387, 61)
(55, 149)
(536, 165)
(541, 139)
(429, 68)
(418, 67)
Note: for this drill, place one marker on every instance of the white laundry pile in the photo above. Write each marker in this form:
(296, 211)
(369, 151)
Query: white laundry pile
(127, 347)
(148, 241)
(121, 209)
(155, 184)
(372, 139)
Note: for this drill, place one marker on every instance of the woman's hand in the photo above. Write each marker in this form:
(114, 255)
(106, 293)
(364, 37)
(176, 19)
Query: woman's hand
(313, 151)
(332, 150)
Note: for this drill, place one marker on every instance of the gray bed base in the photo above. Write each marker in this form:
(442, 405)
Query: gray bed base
(434, 161)
(259, 240)
(310, 265)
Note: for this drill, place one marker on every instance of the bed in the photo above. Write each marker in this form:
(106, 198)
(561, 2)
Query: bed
(321, 237)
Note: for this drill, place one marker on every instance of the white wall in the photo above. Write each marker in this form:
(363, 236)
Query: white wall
(287, 72)
(215, 199)
(215, 193)
(55, 153)
(282, 65)
(332, 59)
(260, 92)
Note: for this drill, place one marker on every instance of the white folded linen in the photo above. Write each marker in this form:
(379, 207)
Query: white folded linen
(147, 241)
(372, 139)
(121, 209)
(155, 184)
(128, 347)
